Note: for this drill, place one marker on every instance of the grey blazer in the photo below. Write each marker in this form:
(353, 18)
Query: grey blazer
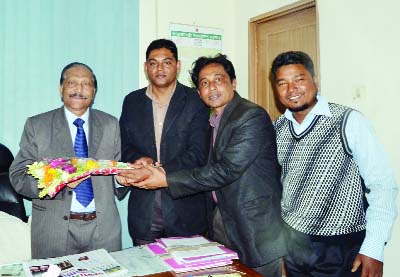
(243, 170)
(48, 135)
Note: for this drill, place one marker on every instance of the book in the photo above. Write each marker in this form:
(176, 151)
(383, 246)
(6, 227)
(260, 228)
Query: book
(184, 254)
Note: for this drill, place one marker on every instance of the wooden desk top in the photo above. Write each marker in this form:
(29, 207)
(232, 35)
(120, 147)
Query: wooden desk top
(236, 267)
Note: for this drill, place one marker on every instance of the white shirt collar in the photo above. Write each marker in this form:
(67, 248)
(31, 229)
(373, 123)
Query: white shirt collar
(320, 108)
(71, 117)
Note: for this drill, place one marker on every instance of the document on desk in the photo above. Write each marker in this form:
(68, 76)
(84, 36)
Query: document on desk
(181, 242)
(140, 261)
(187, 254)
(12, 270)
(94, 263)
(201, 253)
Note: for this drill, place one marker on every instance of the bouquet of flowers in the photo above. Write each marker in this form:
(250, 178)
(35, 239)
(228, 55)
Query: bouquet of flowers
(54, 174)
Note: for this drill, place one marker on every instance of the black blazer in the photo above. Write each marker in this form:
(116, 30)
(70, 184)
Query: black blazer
(184, 145)
(244, 172)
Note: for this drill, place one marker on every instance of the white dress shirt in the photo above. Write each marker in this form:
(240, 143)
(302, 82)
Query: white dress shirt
(77, 207)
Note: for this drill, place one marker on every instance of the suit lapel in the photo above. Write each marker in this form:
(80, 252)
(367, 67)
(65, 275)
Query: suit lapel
(62, 134)
(225, 117)
(174, 109)
(95, 134)
(145, 110)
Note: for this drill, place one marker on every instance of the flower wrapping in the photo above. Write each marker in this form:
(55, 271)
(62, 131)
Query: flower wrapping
(54, 174)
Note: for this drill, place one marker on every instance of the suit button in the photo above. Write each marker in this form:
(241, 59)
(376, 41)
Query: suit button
(65, 217)
(70, 192)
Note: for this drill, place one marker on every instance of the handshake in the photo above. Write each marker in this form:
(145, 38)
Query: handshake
(144, 173)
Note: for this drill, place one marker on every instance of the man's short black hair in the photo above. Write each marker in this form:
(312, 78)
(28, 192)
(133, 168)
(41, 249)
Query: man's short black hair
(162, 43)
(201, 62)
(292, 57)
(77, 64)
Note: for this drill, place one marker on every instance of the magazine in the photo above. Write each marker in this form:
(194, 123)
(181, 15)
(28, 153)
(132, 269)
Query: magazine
(12, 270)
(94, 263)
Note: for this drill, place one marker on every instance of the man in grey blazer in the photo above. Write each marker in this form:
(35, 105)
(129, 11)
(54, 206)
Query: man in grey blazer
(64, 224)
(242, 171)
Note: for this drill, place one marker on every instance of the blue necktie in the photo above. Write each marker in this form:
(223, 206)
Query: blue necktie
(84, 191)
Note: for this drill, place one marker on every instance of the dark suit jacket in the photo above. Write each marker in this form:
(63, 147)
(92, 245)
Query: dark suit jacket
(184, 145)
(47, 135)
(244, 172)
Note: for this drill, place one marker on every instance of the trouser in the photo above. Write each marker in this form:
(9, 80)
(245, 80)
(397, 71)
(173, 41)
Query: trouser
(219, 233)
(310, 255)
(272, 269)
(157, 229)
(83, 236)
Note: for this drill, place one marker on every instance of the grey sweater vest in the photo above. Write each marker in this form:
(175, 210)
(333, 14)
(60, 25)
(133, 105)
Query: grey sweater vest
(322, 187)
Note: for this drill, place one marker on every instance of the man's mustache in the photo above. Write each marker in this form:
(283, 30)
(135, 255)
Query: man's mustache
(78, 94)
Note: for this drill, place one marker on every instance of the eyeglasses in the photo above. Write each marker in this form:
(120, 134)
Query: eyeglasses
(74, 84)
(218, 80)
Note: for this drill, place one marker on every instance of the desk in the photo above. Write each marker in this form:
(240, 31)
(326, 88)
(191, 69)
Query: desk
(100, 260)
(236, 267)
(140, 261)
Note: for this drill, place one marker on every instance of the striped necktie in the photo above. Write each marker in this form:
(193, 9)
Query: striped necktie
(84, 191)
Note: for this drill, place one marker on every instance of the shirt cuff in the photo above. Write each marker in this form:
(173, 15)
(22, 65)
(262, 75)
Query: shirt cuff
(373, 249)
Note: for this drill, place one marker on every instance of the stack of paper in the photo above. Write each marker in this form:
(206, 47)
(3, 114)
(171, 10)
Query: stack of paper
(194, 253)
(139, 261)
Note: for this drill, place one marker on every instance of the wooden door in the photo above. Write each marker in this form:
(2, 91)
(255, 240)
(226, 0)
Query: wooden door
(292, 27)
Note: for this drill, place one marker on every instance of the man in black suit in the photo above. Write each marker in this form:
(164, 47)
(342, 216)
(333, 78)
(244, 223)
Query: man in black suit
(242, 170)
(165, 122)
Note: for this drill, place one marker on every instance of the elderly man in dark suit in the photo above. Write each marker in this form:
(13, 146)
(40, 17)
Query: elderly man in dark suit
(164, 122)
(242, 170)
(84, 218)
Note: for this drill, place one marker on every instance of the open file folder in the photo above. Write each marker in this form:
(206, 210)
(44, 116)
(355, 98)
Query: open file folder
(194, 253)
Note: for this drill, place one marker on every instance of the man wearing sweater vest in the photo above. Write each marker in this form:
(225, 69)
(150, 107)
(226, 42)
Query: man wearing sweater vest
(339, 191)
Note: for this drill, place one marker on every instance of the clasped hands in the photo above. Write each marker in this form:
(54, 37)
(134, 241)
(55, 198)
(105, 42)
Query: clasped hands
(144, 173)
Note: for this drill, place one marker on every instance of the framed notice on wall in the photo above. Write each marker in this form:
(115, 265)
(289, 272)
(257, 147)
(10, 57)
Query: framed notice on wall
(193, 42)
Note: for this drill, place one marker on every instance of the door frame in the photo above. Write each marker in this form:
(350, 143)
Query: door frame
(253, 24)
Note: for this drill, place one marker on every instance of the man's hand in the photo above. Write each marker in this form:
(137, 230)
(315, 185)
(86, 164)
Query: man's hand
(370, 266)
(123, 180)
(128, 177)
(142, 162)
(157, 179)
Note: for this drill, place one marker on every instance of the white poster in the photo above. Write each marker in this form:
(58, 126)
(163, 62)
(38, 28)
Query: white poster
(193, 42)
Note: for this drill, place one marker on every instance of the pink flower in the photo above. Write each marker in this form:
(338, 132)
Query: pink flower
(69, 168)
(57, 162)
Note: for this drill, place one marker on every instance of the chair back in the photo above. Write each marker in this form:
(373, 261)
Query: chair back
(6, 158)
(10, 201)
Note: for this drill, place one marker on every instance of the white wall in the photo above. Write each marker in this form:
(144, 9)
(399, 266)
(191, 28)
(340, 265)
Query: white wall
(156, 15)
(359, 55)
(39, 38)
